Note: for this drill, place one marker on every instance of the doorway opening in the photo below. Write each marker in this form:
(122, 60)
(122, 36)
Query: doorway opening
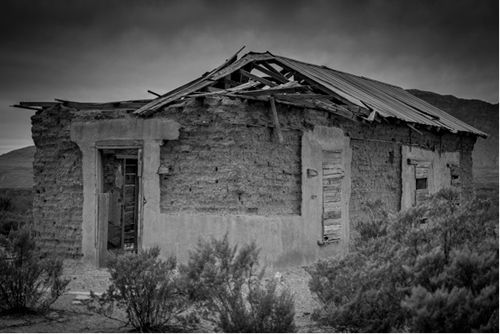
(118, 201)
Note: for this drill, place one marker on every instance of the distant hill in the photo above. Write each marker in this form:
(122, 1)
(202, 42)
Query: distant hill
(16, 168)
(481, 115)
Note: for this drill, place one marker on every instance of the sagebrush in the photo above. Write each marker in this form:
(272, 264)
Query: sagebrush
(226, 282)
(28, 281)
(431, 268)
(149, 290)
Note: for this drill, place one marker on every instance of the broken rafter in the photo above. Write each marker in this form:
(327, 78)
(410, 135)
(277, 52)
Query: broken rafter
(276, 121)
(302, 96)
(285, 88)
(216, 91)
(106, 105)
(257, 78)
(277, 76)
(338, 110)
(25, 107)
(37, 104)
(414, 129)
(153, 93)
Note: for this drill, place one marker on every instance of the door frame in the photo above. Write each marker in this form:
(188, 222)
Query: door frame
(118, 145)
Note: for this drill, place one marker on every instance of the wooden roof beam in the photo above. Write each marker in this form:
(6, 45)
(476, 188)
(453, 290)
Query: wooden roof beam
(37, 104)
(25, 107)
(277, 76)
(257, 78)
(276, 121)
(153, 93)
(275, 90)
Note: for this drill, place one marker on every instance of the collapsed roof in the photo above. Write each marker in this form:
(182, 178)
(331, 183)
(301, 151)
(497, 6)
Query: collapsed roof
(261, 76)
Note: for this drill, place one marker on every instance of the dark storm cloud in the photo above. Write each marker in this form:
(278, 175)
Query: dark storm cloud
(107, 50)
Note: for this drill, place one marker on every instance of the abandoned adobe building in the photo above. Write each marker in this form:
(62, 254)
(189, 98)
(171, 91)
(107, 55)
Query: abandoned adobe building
(263, 148)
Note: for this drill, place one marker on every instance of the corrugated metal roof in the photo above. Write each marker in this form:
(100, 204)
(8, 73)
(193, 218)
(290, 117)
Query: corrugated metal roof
(385, 99)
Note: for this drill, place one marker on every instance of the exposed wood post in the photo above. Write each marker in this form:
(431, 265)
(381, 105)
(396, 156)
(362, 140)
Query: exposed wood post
(276, 120)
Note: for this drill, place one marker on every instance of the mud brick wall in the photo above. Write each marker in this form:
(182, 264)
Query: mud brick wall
(227, 160)
(213, 128)
(58, 189)
(58, 181)
(232, 169)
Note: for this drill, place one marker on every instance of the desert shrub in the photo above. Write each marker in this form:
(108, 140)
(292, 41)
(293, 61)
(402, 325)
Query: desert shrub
(431, 268)
(15, 211)
(227, 285)
(149, 290)
(5, 203)
(11, 221)
(27, 281)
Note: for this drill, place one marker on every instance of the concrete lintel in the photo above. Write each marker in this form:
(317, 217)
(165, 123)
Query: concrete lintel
(125, 129)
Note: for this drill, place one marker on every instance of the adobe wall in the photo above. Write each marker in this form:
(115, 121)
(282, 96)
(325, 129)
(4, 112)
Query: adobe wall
(222, 134)
(224, 169)
(226, 173)
(58, 188)
(58, 180)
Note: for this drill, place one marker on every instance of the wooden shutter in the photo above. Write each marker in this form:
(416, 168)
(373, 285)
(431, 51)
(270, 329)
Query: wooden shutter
(422, 170)
(333, 174)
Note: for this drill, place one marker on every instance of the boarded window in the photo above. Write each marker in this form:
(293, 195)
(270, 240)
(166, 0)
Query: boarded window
(422, 169)
(333, 174)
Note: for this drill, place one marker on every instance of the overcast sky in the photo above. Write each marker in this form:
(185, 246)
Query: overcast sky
(116, 50)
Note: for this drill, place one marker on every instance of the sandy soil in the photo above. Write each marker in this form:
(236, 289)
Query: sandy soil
(68, 315)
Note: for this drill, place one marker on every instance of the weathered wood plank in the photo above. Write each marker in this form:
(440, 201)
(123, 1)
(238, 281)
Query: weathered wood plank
(332, 179)
(333, 170)
(274, 90)
(276, 120)
(421, 172)
(332, 229)
(421, 195)
(332, 207)
(332, 222)
(333, 197)
(256, 78)
(334, 214)
(280, 78)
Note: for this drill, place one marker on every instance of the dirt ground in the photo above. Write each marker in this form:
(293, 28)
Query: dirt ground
(68, 315)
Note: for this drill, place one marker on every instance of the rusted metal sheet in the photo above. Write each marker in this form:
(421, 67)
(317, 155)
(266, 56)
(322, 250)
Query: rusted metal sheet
(385, 99)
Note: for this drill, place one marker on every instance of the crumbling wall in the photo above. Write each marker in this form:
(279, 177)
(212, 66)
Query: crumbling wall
(58, 184)
(232, 169)
(58, 189)
(227, 161)
(210, 133)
